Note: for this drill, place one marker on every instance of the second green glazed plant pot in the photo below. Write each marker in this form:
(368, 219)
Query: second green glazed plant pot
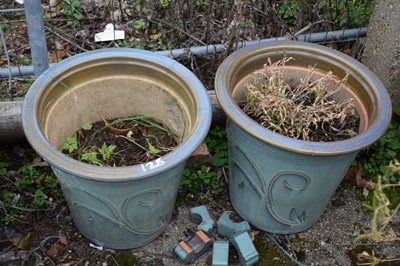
(279, 184)
(117, 207)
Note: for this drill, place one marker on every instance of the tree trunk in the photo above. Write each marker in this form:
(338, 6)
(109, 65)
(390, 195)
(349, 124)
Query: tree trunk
(382, 47)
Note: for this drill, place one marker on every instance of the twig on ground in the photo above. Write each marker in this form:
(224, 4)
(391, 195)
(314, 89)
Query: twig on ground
(175, 27)
(42, 243)
(309, 26)
(29, 209)
(4, 208)
(65, 39)
(225, 176)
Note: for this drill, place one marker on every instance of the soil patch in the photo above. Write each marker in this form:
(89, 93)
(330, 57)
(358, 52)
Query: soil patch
(121, 142)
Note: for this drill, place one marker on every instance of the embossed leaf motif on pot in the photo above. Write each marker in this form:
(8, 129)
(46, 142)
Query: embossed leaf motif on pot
(110, 213)
(281, 179)
(246, 173)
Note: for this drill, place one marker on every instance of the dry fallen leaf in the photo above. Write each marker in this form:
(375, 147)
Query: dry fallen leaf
(361, 181)
(63, 238)
(118, 130)
(364, 183)
(57, 248)
(22, 29)
(37, 162)
(22, 241)
(56, 56)
(156, 37)
(3, 61)
(355, 173)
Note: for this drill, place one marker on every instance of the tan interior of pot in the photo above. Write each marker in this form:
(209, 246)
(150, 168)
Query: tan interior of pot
(293, 74)
(87, 94)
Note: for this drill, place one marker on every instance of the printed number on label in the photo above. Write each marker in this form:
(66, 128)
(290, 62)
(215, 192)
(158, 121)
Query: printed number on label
(152, 165)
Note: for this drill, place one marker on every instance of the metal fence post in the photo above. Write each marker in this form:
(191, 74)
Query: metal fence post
(37, 36)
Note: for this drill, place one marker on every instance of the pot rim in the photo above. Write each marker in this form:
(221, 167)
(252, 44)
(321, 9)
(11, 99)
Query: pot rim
(378, 94)
(65, 163)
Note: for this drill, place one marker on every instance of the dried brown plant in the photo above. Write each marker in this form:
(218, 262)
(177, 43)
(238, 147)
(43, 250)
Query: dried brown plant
(306, 111)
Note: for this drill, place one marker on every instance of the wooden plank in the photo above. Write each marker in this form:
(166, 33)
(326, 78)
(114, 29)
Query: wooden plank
(11, 118)
(11, 121)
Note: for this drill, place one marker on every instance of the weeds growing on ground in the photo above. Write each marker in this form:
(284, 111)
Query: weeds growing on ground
(19, 87)
(31, 187)
(73, 11)
(199, 178)
(377, 157)
(380, 205)
(342, 14)
(306, 111)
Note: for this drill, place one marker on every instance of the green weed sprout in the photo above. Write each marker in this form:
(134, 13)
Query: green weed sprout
(380, 206)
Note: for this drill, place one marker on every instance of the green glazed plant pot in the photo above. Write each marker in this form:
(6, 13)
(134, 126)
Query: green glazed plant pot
(117, 207)
(279, 184)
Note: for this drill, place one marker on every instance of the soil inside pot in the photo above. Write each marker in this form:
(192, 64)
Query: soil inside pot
(303, 109)
(120, 142)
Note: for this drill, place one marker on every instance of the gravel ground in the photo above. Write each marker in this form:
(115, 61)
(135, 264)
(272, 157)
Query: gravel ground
(329, 242)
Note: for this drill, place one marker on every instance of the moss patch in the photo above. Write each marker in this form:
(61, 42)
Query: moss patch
(345, 185)
(360, 196)
(181, 198)
(269, 254)
(393, 196)
(122, 258)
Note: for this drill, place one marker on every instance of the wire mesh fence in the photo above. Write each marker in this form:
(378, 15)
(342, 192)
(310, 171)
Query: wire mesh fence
(198, 33)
